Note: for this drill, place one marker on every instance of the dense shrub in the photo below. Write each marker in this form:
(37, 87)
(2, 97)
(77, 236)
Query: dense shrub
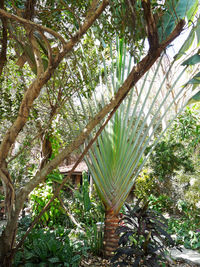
(55, 215)
(45, 248)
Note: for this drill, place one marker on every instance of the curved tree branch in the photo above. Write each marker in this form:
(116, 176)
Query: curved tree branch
(34, 89)
(31, 24)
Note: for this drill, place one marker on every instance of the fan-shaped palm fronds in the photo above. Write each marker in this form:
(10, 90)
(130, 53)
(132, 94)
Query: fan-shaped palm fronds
(117, 157)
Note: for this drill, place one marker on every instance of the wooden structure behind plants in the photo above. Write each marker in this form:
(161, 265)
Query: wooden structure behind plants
(76, 176)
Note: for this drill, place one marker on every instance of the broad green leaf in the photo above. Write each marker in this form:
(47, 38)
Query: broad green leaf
(195, 31)
(198, 32)
(175, 10)
(192, 60)
(194, 99)
(40, 41)
(54, 260)
(195, 79)
(192, 10)
(187, 44)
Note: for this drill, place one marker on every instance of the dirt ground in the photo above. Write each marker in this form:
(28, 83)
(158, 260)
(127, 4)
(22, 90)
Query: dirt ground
(95, 261)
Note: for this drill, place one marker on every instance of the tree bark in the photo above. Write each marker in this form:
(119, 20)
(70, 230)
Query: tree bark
(3, 41)
(7, 239)
(110, 237)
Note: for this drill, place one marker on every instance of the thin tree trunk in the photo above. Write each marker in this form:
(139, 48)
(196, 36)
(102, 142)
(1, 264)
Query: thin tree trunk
(110, 237)
(7, 239)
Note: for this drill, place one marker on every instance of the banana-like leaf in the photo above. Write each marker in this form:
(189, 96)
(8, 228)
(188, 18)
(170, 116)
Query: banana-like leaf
(176, 10)
(198, 31)
(192, 60)
(187, 44)
(40, 42)
(195, 98)
(195, 79)
(194, 32)
(192, 10)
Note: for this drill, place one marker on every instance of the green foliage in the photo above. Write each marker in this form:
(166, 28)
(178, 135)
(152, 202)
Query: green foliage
(87, 209)
(92, 236)
(24, 223)
(22, 167)
(143, 238)
(174, 164)
(174, 11)
(85, 191)
(86, 215)
(89, 212)
(169, 157)
(186, 228)
(144, 186)
(56, 142)
(45, 248)
(186, 128)
(39, 198)
(192, 60)
(12, 88)
(161, 204)
(127, 22)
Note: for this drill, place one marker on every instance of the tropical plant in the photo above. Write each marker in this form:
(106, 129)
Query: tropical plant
(89, 213)
(49, 249)
(117, 157)
(55, 215)
(186, 228)
(143, 237)
(165, 162)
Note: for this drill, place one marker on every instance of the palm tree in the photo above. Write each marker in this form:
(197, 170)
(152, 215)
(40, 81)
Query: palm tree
(117, 157)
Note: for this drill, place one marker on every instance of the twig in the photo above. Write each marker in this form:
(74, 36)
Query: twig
(69, 214)
(32, 25)
(76, 17)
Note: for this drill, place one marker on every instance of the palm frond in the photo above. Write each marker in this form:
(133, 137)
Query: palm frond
(118, 155)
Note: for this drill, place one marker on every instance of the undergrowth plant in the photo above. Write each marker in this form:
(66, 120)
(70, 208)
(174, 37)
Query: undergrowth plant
(89, 212)
(143, 238)
(186, 227)
(39, 198)
(45, 248)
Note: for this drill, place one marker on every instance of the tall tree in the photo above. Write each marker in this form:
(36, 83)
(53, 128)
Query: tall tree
(117, 157)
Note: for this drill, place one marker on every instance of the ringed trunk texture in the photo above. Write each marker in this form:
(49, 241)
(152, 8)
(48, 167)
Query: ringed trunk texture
(110, 237)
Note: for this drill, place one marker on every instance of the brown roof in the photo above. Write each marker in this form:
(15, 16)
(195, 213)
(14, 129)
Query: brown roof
(79, 169)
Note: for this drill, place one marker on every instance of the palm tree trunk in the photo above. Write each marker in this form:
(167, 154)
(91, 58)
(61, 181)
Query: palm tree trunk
(110, 237)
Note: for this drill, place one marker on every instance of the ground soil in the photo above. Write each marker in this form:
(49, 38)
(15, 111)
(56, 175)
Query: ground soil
(94, 261)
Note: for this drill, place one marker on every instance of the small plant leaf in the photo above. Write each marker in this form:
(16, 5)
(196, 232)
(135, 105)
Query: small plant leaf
(192, 60)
